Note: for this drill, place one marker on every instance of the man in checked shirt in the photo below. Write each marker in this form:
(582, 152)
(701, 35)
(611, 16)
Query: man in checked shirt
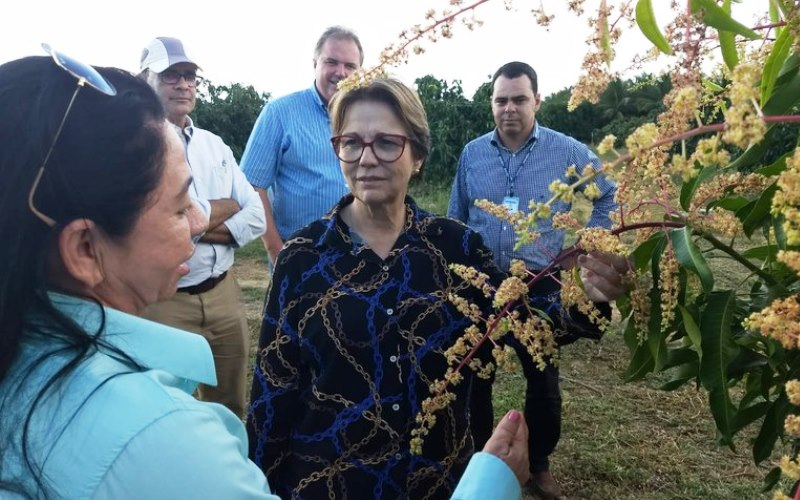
(513, 165)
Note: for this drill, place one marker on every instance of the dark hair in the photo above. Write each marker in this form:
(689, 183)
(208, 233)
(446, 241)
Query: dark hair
(338, 33)
(516, 69)
(105, 166)
(402, 100)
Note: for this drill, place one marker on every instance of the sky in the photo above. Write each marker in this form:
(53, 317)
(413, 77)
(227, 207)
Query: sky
(269, 44)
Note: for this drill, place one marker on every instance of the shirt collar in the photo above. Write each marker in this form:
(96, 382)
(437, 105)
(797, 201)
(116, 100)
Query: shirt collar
(336, 232)
(151, 345)
(186, 132)
(318, 98)
(496, 142)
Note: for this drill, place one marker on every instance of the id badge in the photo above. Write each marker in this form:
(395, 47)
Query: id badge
(511, 203)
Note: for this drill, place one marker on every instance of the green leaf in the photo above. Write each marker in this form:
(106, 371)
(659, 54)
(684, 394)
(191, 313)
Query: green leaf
(727, 42)
(771, 428)
(644, 253)
(692, 330)
(774, 63)
(765, 252)
(657, 342)
(786, 92)
(689, 256)
(714, 16)
(689, 188)
(749, 415)
(757, 213)
(683, 375)
(771, 479)
(647, 23)
(640, 365)
(718, 352)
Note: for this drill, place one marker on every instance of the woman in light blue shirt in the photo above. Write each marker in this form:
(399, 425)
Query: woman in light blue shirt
(96, 224)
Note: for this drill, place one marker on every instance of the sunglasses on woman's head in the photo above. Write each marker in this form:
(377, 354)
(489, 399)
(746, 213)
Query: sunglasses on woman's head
(86, 75)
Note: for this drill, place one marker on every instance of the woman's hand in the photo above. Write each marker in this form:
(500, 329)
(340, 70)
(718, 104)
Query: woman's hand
(603, 275)
(509, 442)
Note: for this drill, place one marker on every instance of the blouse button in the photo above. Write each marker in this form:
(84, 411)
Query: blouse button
(396, 407)
(393, 358)
(398, 456)
(385, 268)
(390, 311)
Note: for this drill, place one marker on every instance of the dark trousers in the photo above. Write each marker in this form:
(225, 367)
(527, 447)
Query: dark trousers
(542, 400)
(542, 410)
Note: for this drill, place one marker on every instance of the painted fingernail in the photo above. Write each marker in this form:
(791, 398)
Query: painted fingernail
(514, 416)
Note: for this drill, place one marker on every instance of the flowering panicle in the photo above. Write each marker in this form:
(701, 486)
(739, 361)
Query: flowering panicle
(780, 320)
(474, 277)
(668, 282)
(744, 123)
(787, 199)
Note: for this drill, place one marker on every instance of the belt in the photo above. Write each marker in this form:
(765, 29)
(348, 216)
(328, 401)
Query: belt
(203, 286)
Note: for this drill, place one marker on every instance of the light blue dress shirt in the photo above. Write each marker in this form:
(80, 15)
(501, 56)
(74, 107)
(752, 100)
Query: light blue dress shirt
(289, 152)
(489, 170)
(111, 431)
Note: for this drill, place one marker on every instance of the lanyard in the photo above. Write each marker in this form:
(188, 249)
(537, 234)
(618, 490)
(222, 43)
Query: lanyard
(511, 178)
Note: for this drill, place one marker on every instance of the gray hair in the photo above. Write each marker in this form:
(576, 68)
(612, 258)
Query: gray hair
(338, 33)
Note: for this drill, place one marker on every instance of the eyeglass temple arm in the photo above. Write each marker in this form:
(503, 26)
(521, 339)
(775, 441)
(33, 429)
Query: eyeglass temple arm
(32, 193)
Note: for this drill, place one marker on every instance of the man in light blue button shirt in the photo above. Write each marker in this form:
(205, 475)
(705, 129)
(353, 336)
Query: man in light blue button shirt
(289, 151)
(514, 165)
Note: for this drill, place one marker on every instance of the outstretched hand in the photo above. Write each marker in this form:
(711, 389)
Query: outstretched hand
(602, 275)
(509, 442)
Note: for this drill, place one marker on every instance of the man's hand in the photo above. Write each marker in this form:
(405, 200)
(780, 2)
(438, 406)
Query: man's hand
(602, 275)
(509, 442)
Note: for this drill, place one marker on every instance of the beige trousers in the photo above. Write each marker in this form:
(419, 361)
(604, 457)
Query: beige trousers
(218, 315)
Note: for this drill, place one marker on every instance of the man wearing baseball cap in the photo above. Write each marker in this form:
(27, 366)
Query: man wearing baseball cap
(208, 299)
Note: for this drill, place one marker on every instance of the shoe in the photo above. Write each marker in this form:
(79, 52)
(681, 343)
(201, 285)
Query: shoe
(544, 486)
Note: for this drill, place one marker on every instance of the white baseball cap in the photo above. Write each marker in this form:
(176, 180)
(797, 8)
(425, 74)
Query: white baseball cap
(163, 52)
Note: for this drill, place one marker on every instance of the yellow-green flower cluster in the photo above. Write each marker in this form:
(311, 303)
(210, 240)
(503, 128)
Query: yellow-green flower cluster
(642, 138)
(474, 277)
(594, 239)
(670, 286)
(791, 258)
(562, 191)
(793, 392)
(787, 199)
(499, 211)
(780, 320)
(709, 152)
(505, 358)
(518, 268)
(743, 123)
(607, 144)
(510, 290)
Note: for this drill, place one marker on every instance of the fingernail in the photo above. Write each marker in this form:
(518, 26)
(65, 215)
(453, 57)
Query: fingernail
(513, 416)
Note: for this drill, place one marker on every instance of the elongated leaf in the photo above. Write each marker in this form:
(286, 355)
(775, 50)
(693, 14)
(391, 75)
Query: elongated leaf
(774, 63)
(765, 252)
(689, 188)
(757, 213)
(644, 252)
(718, 352)
(683, 375)
(727, 42)
(784, 95)
(771, 428)
(647, 23)
(640, 365)
(714, 16)
(692, 330)
(749, 415)
(689, 256)
(771, 479)
(657, 342)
